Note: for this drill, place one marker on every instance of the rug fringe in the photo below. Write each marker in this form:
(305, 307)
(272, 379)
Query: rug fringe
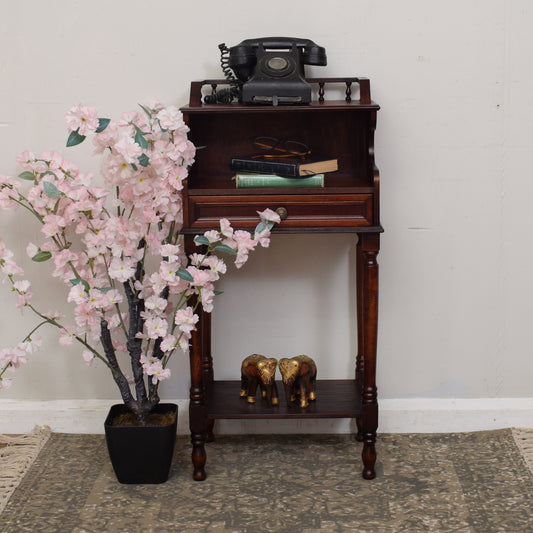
(524, 440)
(16, 458)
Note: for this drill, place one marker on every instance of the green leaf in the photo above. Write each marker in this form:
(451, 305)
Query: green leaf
(217, 293)
(41, 256)
(201, 239)
(140, 140)
(146, 110)
(77, 281)
(27, 175)
(105, 289)
(144, 160)
(225, 248)
(75, 138)
(102, 124)
(260, 227)
(185, 274)
(51, 190)
(263, 225)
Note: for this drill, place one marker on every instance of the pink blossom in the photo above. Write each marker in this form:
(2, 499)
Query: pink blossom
(170, 118)
(197, 259)
(13, 357)
(128, 149)
(54, 315)
(169, 343)
(32, 250)
(26, 159)
(225, 228)
(216, 266)
(207, 295)
(269, 216)
(53, 224)
(31, 345)
(186, 320)
(77, 294)
(156, 304)
(171, 251)
(121, 269)
(10, 268)
(82, 118)
(212, 236)
(156, 327)
(245, 244)
(263, 237)
(157, 371)
(66, 338)
(22, 286)
(5, 252)
(5, 383)
(110, 298)
(88, 357)
(200, 277)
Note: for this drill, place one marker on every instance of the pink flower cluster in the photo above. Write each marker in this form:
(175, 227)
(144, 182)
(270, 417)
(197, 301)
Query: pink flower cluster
(117, 246)
(12, 358)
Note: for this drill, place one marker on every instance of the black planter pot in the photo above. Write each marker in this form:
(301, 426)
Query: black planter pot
(141, 454)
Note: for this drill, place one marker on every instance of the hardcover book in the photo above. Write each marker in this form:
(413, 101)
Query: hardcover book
(243, 180)
(292, 168)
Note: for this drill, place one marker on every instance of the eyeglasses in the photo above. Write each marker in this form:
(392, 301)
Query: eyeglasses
(274, 148)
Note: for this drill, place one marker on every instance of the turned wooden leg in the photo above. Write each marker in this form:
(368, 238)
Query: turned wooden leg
(360, 362)
(197, 410)
(369, 414)
(207, 367)
(197, 407)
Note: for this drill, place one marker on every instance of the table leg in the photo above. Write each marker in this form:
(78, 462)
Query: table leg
(369, 411)
(360, 361)
(207, 367)
(197, 407)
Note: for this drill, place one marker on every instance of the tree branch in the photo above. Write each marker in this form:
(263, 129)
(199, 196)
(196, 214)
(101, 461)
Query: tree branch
(118, 376)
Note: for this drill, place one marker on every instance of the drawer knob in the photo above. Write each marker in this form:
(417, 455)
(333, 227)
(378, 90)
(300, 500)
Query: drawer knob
(282, 212)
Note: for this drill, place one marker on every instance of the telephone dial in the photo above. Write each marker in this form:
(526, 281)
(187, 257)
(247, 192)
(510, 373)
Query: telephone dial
(268, 71)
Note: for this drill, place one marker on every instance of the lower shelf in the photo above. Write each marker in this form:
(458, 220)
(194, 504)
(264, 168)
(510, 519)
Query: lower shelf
(336, 398)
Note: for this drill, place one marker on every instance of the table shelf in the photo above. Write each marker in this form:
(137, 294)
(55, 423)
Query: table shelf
(336, 398)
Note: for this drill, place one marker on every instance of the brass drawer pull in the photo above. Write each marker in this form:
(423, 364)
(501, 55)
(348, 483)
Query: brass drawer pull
(282, 212)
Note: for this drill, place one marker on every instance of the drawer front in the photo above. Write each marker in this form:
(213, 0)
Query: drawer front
(302, 211)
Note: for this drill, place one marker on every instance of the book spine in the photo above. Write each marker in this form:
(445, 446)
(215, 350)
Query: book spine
(264, 167)
(267, 180)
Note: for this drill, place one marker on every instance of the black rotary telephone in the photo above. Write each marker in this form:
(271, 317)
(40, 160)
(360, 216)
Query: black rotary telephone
(268, 71)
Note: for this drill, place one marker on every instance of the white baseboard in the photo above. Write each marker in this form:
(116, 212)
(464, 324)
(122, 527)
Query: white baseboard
(395, 416)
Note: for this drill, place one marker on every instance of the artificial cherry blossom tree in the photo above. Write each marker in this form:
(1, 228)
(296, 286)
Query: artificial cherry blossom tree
(118, 248)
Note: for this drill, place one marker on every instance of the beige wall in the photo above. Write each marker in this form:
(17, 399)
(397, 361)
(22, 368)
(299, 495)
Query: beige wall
(453, 144)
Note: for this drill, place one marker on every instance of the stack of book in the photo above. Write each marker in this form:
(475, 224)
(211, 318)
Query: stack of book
(257, 172)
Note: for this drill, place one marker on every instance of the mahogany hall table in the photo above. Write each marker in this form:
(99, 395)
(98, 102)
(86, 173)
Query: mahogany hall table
(348, 203)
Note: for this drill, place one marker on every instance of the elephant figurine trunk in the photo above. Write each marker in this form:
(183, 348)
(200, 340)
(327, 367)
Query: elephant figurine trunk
(259, 370)
(299, 376)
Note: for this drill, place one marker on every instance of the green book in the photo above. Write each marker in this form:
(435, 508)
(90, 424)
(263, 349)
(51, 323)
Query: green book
(244, 179)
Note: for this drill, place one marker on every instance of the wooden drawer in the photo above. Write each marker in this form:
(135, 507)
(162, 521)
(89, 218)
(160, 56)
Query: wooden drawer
(303, 211)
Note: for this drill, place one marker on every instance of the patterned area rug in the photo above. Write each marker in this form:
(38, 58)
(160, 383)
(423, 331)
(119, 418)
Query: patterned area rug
(467, 482)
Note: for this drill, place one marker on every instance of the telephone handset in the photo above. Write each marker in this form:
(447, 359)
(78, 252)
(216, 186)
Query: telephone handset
(269, 70)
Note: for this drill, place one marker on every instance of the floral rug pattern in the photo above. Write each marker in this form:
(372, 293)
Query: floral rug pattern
(465, 482)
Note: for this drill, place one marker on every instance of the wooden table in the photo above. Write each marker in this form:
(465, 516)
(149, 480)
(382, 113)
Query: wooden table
(348, 203)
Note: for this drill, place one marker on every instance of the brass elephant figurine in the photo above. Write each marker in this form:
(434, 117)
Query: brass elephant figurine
(299, 376)
(259, 370)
